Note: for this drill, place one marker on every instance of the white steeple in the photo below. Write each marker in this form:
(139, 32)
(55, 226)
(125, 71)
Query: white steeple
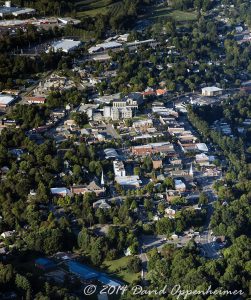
(102, 179)
(191, 170)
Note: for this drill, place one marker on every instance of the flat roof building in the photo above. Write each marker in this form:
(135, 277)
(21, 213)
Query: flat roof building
(64, 45)
(104, 47)
(119, 168)
(6, 100)
(211, 91)
(128, 181)
(164, 147)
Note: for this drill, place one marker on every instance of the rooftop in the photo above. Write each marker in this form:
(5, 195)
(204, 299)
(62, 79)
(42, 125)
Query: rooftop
(6, 99)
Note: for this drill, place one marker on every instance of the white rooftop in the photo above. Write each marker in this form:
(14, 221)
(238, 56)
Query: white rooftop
(65, 45)
(128, 180)
(6, 99)
(60, 190)
(202, 147)
(211, 89)
(107, 45)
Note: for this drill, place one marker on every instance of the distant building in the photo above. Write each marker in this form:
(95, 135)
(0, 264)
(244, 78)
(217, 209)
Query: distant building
(179, 185)
(104, 47)
(164, 147)
(121, 113)
(61, 191)
(161, 92)
(6, 100)
(101, 204)
(111, 153)
(36, 100)
(170, 212)
(172, 194)
(128, 181)
(68, 20)
(211, 91)
(143, 124)
(157, 163)
(92, 187)
(7, 234)
(8, 10)
(119, 168)
(64, 45)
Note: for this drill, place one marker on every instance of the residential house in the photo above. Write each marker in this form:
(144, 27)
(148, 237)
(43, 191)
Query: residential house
(102, 204)
(179, 185)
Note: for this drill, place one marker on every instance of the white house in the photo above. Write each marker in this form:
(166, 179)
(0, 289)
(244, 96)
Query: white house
(211, 91)
(179, 185)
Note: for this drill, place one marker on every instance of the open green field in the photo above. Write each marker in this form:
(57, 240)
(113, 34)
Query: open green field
(95, 7)
(178, 15)
(118, 268)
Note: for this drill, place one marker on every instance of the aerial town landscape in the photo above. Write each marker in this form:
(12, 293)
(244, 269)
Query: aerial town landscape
(125, 149)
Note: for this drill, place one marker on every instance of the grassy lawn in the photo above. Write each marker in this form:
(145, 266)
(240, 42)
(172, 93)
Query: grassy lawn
(118, 268)
(178, 15)
(95, 7)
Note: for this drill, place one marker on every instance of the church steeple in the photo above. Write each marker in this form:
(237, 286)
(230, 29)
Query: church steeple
(102, 179)
(191, 170)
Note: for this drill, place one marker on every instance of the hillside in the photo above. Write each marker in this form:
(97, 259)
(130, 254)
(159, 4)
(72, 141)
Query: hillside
(94, 7)
(79, 8)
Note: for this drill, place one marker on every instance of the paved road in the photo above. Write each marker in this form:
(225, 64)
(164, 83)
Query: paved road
(112, 132)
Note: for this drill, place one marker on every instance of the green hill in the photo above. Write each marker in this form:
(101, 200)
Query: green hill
(94, 7)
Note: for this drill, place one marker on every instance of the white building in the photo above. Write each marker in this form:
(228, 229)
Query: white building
(119, 168)
(8, 10)
(104, 47)
(61, 191)
(128, 181)
(179, 185)
(202, 147)
(64, 45)
(142, 124)
(6, 100)
(121, 113)
(111, 153)
(211, 91)
(7, 234)
(107, 112)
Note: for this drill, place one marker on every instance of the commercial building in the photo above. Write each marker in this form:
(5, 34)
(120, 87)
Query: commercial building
(119, 168)
(104, 47)
(211, 91)
(64, 45)
(87, 273)
(6, 100)
(128, 181)
(92, 187)
(143, 124)
(120, 114)
(8, 10)
(164, 147)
